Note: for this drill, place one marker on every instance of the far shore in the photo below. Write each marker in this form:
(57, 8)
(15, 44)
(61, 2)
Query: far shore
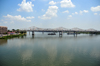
(6, 36)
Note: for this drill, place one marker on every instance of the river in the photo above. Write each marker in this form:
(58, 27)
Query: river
(51, 50)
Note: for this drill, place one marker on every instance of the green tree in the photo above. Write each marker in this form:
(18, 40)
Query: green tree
(13, 30)
(17, 30)
(9, 31)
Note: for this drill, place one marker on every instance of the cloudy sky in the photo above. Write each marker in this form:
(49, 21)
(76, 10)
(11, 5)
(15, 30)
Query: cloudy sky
(83, 14)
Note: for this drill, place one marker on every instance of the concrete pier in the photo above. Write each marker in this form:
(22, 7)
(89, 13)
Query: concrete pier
(42, 32)
(29, 32)
(60, 33)
(32, 32)
(32, 36)
(75, 33)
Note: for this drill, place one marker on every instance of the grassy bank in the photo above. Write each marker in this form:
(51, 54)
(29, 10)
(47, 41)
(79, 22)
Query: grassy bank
(12, 36)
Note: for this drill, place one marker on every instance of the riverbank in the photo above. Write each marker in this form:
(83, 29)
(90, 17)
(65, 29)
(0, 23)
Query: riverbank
(12, 36)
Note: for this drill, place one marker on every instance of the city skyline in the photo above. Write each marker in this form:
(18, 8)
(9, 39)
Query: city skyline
(50, 13)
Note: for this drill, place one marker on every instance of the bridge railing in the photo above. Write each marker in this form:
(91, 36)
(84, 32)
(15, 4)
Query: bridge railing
(62, 30)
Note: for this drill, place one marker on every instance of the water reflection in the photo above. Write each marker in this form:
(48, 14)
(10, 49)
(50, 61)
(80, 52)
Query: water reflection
(22, 36)
(26, 56)
(95, 53)
(51, 51)
(3, 41)
(44, 50)
(32, 36)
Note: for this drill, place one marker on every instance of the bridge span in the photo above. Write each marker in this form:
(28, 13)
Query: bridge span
(75, 32)
(62, 30)
(68, 31)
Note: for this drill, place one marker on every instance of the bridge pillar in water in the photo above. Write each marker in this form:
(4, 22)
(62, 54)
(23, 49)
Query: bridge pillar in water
(29, 32)
(42, 32)
(75, 33)
(68, 32)
(60, 33)
(32, 36)
(91, 33)
(32, 32)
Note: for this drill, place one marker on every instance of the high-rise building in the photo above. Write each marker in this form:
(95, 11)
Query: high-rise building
(3, 29)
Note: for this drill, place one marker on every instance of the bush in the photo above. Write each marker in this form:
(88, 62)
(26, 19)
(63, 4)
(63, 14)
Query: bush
(11, 36)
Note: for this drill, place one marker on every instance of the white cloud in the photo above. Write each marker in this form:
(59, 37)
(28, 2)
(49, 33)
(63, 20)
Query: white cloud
(81, 12)
(95, 9)
(52, 3)
(67, 3)
(85, 11)
(18, 18)
(72, 13)
(51, 12)
(99, 14)
(2, 20)
(76, 13)
(95, 13)
(70, 16)
(5, 22)
(26, 6)
(65, 11)
(30, 17)
(12, 22)
(43, 10)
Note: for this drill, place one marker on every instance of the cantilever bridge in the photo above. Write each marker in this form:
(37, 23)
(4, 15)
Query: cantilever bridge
(61, 30)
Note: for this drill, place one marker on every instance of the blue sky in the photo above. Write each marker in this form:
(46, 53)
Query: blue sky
(18, 14)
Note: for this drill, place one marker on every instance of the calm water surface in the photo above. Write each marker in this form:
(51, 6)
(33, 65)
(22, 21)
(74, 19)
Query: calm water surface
(45, 50)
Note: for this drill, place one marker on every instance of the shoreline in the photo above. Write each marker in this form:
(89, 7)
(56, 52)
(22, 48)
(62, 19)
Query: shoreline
(12, 36)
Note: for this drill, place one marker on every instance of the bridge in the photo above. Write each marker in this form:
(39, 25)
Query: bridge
(61, 30)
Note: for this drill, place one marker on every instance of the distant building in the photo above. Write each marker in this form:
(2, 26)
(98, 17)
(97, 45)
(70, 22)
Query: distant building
(3, 29)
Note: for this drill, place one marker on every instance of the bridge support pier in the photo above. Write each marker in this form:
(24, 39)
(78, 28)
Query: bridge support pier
(60, 33)
(32, 36)
(75, 33)
(42, 32)
(67, 33)
(32, 32)
(29, 32)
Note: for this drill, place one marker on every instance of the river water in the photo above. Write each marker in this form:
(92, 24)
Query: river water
(51, 50)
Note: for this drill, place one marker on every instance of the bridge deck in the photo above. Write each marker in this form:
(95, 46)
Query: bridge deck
(60, 31)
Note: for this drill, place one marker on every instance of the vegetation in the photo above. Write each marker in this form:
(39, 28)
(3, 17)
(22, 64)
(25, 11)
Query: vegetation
(17, 31)
(13, 30)
(12, 36)
(23, 32)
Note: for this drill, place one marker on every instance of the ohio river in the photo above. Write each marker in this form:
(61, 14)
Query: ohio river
(51, 50)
